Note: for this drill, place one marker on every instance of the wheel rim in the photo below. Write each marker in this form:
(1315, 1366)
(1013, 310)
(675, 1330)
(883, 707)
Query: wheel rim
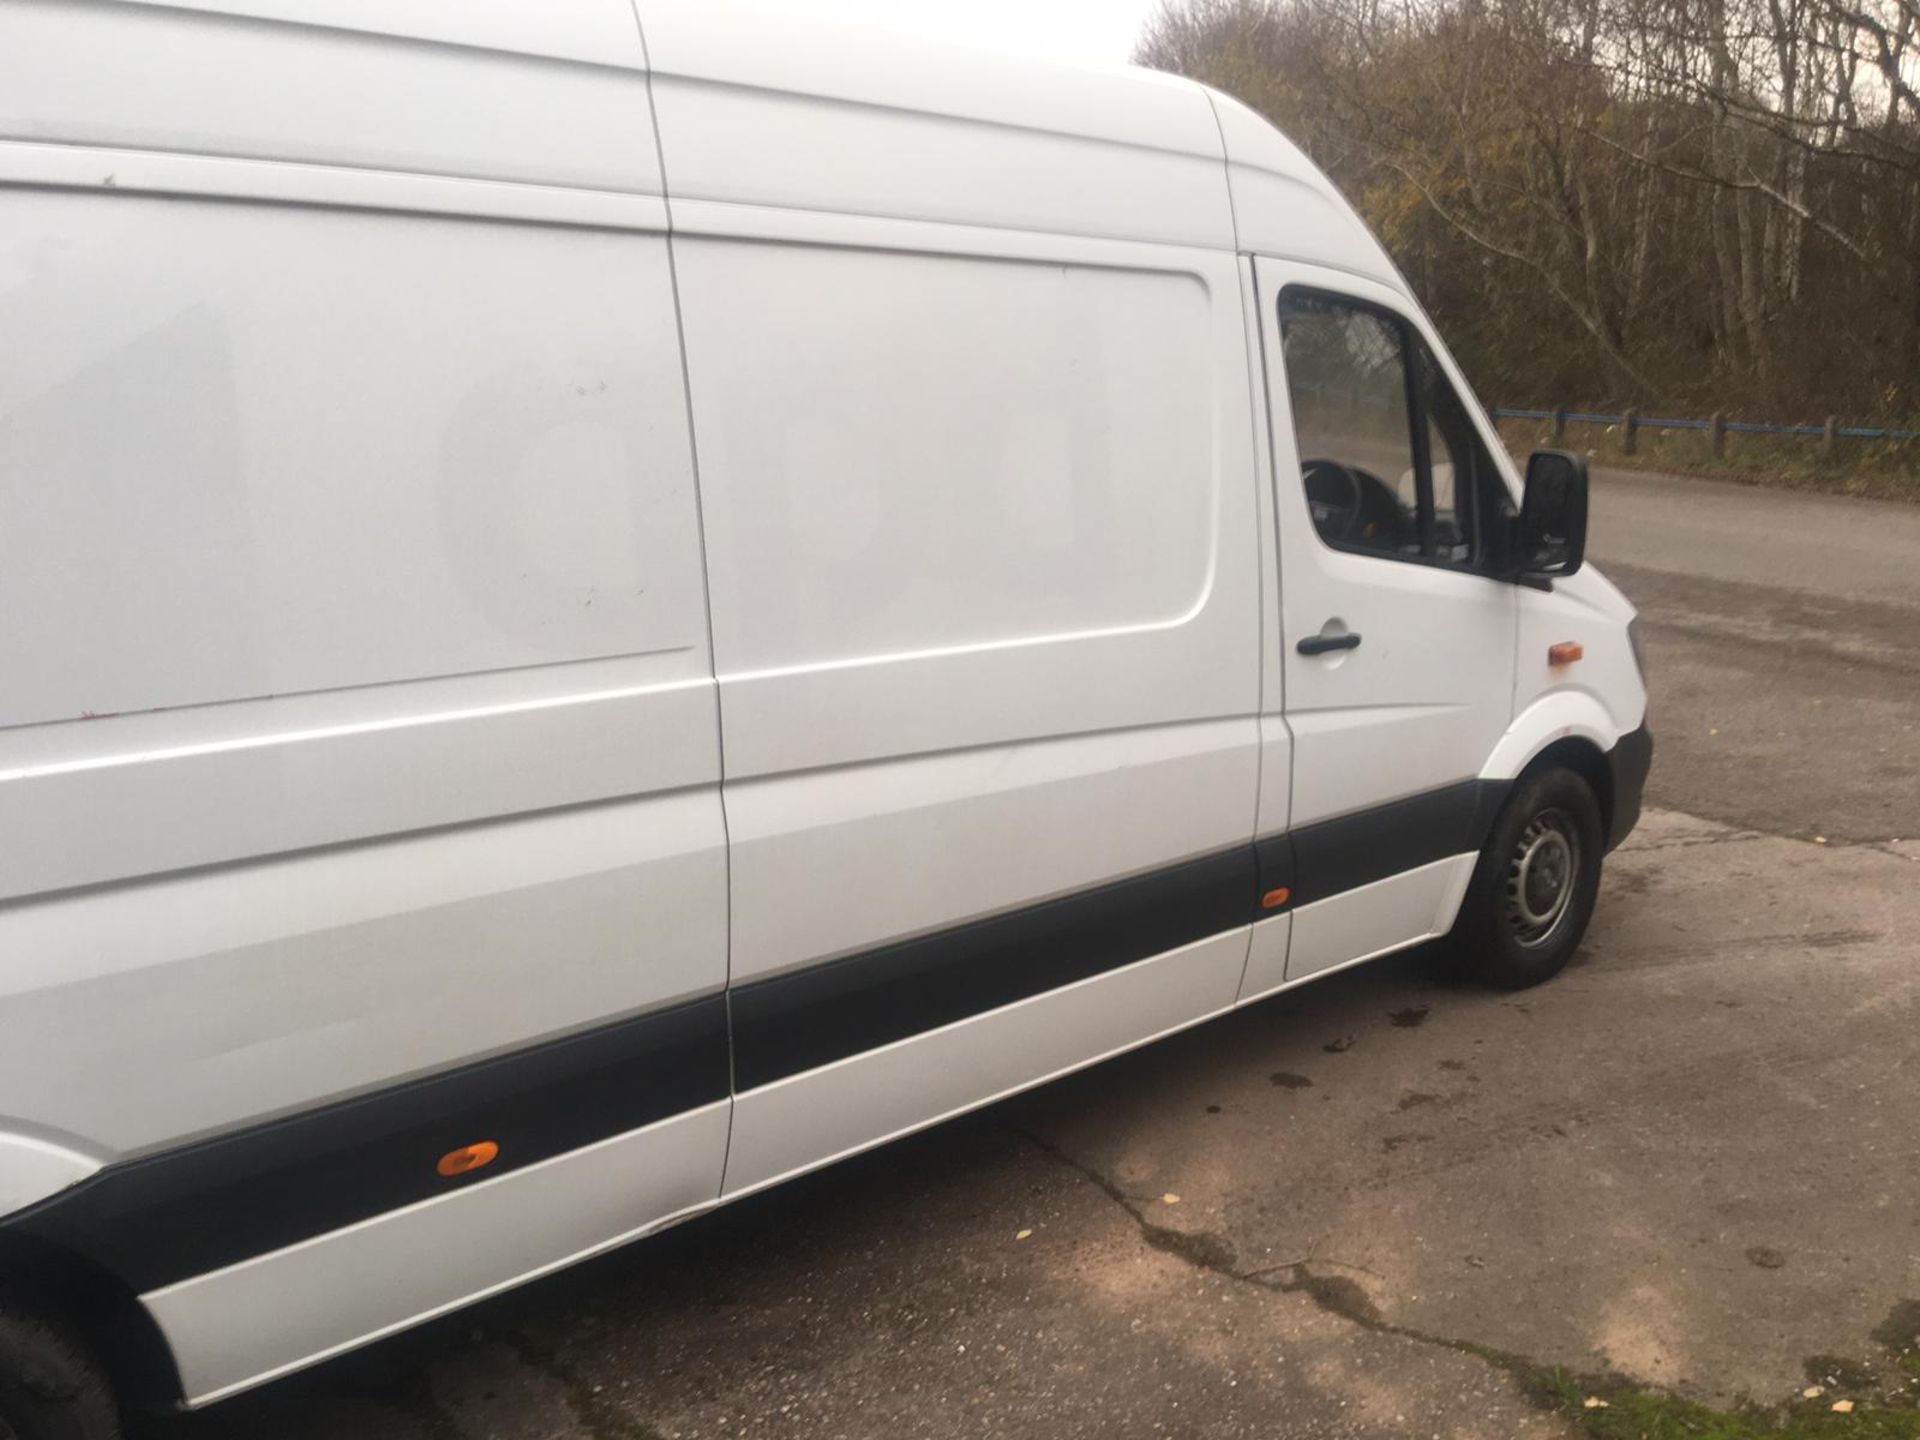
(1541, 874)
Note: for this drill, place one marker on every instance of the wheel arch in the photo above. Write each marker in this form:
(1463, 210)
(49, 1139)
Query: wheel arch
(62, 1285)
(1569, 728)
(1585, 759)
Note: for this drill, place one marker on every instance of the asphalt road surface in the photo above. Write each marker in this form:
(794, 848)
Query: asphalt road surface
(1690, 1160)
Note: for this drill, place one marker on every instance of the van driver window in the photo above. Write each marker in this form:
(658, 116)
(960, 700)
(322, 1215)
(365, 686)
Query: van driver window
(1387, 470)
(1347, 380)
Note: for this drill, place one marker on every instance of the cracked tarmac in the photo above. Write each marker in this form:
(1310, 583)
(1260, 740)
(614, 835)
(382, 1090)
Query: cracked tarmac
(1690, 1160)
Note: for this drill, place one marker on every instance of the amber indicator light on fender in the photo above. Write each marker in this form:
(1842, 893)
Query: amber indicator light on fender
(1565, 653)
(1275, 898)
(467, 1158)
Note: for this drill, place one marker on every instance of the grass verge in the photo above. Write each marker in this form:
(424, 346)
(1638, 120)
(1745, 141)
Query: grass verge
(1843, 1398)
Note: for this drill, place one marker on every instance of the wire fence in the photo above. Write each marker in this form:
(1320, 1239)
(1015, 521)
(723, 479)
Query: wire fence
(1718, 426)
(1346, 400)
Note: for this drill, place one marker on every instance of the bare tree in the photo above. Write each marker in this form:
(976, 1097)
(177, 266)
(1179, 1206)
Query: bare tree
(1616, 199)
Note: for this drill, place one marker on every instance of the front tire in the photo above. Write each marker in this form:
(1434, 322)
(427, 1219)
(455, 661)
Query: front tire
(51, 1386)
(1534, 888)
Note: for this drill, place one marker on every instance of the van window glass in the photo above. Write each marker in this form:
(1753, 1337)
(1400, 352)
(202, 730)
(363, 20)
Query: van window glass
(1461, 467)
(1347, 381)
(1390, 459)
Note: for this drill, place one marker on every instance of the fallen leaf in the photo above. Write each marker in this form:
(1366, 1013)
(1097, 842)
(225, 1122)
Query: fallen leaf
(1023, 1234)
(1594, 1402)
(1813, 1392)
(1843, 1407)
(1169, 1199)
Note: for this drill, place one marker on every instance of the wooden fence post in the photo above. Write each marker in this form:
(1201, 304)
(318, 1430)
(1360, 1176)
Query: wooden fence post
(1719, 434)
(1629, 424)
(1829, 437)
(1559, 427)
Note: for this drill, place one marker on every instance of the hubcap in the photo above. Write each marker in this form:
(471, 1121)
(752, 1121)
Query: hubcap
(1540, 878)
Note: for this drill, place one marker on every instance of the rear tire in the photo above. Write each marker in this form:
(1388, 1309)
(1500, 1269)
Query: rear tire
(51, 1386)
(1533, 890)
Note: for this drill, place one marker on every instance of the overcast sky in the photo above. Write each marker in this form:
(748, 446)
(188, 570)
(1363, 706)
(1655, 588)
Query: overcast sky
(1096, 30)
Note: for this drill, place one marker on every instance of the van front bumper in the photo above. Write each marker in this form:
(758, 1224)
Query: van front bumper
(1628, 762)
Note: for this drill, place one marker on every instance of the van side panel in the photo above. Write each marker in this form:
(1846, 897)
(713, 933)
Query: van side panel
(980, 515)
(241, 1326)
(985, 583)
(331, 531)
(358, 748)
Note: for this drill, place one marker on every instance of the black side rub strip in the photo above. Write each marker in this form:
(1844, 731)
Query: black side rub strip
(1332, 856)
(187, 1211)
(812, 1017)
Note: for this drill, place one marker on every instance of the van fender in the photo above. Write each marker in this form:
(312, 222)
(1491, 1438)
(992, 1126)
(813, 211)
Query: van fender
(1558, 715)
(31, 1169)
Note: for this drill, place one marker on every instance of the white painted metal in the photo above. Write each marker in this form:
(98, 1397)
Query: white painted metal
(594, 32)
(32, 1168)
(1428, 693)
(1372, 920)
(810, 1120)
(155, 172)
(378, 448)
(756, 109)
(957, 499)
(1267, 957)
(235, 1328)
(1599, 697)
(142, 1014)
(444, 90)
(272, 606)
(1267, 946)
(1284, 207)
(828, 862)
(361, 717)
(981, 525)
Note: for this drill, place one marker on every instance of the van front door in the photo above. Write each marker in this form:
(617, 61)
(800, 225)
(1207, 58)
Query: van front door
(1398, 642)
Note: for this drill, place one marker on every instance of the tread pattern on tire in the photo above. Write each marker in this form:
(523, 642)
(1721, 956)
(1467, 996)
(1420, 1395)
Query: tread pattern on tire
(51, 1386)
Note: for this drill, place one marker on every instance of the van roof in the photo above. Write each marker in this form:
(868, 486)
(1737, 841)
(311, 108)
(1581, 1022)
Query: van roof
(757, 105)
(1114, 151)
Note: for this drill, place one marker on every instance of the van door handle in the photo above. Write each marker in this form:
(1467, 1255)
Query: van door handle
(1320, 644)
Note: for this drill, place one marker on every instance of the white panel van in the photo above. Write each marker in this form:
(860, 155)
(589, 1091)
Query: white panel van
(606, 603)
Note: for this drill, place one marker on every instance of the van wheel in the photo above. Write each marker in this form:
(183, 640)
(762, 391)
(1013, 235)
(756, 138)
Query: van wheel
(51, 1387)
(1534, 887)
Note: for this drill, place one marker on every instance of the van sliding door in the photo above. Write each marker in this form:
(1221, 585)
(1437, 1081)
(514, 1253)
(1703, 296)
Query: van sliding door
(979, 511)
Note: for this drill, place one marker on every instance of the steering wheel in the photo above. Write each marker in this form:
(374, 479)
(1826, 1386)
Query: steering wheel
(1334, 497)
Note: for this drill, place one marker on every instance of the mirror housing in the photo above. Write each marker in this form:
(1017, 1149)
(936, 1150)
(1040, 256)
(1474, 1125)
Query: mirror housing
(1551, 536)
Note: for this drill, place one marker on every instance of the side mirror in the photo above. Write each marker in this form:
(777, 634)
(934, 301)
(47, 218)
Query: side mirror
(1552, 536)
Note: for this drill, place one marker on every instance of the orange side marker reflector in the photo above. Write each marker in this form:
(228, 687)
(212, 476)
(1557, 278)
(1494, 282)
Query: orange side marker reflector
(1565, 653)
(1275, 898)
(467, 1158)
